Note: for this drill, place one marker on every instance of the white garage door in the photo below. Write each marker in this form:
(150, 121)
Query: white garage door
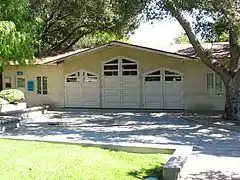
(82, 90)
(120, 88)
(163, 89)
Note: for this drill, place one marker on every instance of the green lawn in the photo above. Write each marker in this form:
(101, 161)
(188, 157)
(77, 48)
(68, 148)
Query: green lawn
(24, 160)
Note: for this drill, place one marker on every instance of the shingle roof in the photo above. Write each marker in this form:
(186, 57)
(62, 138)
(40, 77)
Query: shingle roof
(219, 50)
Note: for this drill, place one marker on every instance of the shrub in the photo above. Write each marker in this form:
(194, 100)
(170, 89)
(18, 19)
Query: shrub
(3, 101)
(13, 96)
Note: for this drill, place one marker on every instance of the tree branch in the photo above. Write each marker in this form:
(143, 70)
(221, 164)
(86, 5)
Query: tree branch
(67, 37)
(205, 56)
(232, 14)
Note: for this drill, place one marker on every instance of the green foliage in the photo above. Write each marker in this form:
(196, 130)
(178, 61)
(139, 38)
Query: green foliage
(13, 96)
(182, 39)
(66, 22)
(98, 39)
(17, 31)
(209, 18)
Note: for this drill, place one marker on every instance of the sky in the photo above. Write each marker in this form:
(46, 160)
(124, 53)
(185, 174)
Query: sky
(158, 35)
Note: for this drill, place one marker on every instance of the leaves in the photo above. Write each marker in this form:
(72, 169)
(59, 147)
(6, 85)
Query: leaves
(67, 22)
(16, 33)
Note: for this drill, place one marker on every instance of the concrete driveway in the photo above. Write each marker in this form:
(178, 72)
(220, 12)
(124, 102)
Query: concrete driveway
(216, 155)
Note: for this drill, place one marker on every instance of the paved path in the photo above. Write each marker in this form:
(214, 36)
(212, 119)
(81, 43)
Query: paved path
(216, 155)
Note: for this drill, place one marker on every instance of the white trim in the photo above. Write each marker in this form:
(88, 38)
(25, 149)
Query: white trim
(41, 76)
(214, 85)
(172, 70)
(81, 70)
(25, 83)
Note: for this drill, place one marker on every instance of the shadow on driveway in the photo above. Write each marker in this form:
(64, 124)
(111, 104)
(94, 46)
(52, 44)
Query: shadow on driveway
(127, 127)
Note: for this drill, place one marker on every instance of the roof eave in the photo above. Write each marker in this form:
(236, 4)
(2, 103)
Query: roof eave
(116, 43)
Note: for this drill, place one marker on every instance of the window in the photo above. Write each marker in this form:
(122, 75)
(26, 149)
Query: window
(20, 82)
(8, 82)
(170, 73)
(111, 73)
(111, 68)
(155, 73)
(70, 80)
(129, 73)
(129, 68)
(173, 78)
(214, 84)
(113, 62)
(42, 85)
(153, 78)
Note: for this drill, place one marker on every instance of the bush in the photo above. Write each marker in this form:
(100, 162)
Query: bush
(13, 96)
(3, 101)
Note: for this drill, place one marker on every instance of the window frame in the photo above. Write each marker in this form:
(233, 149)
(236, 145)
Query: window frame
(42, 91)
(20, 77)
(9, 78)
(213, 92)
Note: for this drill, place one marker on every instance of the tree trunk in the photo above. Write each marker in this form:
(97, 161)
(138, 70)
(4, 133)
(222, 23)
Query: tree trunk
(228, 111)
(232, 98)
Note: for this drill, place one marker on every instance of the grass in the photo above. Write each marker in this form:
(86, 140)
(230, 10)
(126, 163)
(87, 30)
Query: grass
(45, 161)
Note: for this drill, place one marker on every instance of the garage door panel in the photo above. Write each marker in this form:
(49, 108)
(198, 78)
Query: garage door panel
(173, 105)
(113, 92)
(112, 98)
(130, 91)
(163, 89)
(83, 92)
(120, 84)
(129, 104)
(90, 104)
(112, 104)
(130, 98)
(153, 105)
(153, 98)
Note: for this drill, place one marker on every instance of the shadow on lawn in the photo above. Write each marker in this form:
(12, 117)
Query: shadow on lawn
(143, 173)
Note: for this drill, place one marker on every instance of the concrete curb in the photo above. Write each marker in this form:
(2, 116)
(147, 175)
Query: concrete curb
(171, 169)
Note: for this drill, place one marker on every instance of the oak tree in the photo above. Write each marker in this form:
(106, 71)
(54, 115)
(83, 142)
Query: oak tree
(210, 19)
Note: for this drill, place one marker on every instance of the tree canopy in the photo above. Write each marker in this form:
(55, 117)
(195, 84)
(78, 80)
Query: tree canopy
(100, 38)
(210, 19)
(65, 22)
(181, 39)
(17, 29)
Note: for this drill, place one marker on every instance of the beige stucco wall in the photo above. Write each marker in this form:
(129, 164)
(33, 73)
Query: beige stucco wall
(55, 83)
(194, 73)
(195, 89)
(195, 94)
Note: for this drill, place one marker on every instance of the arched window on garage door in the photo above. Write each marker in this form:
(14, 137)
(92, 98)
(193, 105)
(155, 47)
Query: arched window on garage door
(172, 76)
(82, 89)
(173, 89)
(153, 90)
(120, 83)
(163, 89)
